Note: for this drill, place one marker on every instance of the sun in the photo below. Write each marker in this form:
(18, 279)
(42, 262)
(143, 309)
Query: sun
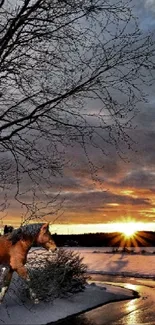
(129, 229)
(129, 232)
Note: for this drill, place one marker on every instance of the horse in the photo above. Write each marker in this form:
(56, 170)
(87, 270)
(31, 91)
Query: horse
(14, 248)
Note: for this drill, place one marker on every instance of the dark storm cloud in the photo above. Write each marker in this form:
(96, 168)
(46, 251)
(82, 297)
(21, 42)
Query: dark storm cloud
(136, 170)
(68, 183)
(98, 199)
(139, 179)
(110, 165)
(145, 116)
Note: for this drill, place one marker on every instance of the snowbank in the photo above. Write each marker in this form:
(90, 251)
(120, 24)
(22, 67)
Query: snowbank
(13, 311)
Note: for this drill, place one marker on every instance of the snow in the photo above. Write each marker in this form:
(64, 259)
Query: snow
(15, 311)
(137, 264)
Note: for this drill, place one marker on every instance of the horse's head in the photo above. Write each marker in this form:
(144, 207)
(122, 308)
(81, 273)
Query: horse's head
(45, 239)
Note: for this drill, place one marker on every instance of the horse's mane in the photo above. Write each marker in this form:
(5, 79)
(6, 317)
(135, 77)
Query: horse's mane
(23, 232)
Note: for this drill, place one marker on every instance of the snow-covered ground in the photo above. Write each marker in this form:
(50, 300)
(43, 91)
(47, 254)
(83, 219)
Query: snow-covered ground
(14, 311)
(141, 263)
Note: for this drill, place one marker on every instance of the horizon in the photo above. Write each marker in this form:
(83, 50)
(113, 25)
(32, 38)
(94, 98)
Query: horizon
(72, 229)
(127, 227)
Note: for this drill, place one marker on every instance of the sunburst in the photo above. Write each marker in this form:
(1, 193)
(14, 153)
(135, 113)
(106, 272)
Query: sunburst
(128, 229)
(129, 235)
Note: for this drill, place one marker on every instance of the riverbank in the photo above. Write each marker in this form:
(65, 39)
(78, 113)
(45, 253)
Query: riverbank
(132, 312)
(13, 311)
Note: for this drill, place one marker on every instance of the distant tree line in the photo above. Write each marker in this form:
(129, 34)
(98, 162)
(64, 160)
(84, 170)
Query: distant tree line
(115, 239)
(7, 229)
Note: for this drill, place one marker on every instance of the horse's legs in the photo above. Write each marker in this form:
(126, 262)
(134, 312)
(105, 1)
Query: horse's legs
(6, 283)
(22, 272)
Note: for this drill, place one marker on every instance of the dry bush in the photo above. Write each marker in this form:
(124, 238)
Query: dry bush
(56, 275)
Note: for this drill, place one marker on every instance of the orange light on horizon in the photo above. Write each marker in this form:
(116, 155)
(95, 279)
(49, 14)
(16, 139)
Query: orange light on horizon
(125, 225)
(128, 228)
(113, 204)
(128, 232)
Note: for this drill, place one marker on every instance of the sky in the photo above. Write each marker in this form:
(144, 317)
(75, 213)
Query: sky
(123, 190)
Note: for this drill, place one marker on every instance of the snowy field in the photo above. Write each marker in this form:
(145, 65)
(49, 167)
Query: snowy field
(141, 263)
(15, 311)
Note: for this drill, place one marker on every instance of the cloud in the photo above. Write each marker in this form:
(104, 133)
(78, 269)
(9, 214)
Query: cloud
(142, 179)
(98, 199)
(150, 4)
(79, 185)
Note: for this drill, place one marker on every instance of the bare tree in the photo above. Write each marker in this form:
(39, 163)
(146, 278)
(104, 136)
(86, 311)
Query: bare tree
(56, 59)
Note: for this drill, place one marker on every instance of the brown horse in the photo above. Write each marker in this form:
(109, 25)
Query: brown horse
(14, 248)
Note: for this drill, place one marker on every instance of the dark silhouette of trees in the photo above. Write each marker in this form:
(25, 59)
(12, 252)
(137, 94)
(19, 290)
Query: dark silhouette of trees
(8, 229)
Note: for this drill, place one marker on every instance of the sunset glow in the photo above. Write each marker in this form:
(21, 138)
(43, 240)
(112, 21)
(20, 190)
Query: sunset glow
(129, 232)
(128, 228)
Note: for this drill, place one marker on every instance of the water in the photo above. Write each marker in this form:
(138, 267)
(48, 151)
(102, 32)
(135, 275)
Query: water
(131, 312)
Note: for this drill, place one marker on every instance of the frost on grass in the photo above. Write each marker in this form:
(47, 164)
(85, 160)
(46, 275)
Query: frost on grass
(56, 275)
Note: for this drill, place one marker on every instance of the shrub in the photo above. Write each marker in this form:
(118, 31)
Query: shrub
(56, 275)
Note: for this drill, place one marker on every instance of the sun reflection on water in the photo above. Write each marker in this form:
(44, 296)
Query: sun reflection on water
(133, 315)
